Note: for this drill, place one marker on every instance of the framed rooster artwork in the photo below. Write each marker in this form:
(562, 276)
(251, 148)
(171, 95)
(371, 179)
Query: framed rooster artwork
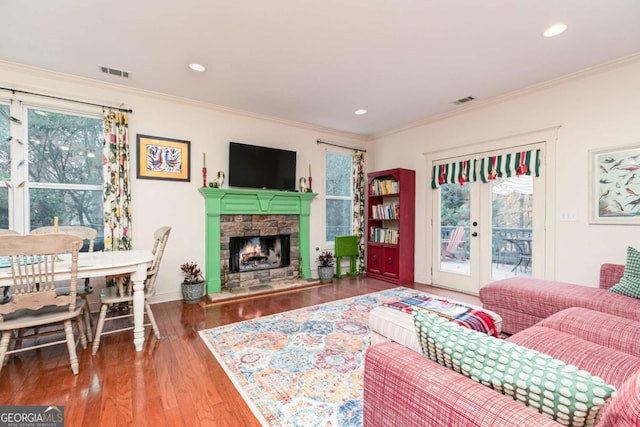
(163, 158)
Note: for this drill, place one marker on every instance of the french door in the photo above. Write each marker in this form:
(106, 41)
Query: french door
(487, 227)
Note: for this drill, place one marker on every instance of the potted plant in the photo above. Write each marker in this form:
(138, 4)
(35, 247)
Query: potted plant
(325, 266)
(193, 283)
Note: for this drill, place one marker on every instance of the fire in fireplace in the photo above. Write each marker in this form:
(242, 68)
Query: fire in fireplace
(258, 253)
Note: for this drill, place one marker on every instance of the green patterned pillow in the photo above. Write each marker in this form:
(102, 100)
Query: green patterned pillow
(630, 282)
(559, 391)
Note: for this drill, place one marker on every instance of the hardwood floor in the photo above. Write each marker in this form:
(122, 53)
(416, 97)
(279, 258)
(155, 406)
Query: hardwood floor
(174, 381)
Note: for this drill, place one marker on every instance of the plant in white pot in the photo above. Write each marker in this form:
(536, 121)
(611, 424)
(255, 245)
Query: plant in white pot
(325, 266)
(193, 283)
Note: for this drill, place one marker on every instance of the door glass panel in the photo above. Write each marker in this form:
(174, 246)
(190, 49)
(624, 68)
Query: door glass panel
(512, 225)
(455, 212)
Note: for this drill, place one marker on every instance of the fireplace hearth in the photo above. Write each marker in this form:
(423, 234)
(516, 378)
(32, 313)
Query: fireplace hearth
(258, 253)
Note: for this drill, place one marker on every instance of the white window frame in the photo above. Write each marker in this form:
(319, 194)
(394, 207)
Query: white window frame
(347, 152)
(19, 208)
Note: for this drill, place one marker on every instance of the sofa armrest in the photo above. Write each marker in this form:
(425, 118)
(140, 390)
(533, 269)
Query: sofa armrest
(610, 274)
(405, 388)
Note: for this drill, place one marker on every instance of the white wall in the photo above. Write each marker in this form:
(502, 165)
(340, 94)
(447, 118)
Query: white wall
(179, 204)
(597, 109)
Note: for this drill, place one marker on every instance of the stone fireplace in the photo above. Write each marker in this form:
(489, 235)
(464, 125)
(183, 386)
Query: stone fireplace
(259, 249)
(249, 213)
(258, 253)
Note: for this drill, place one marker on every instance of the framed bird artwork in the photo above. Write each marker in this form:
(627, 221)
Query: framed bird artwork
(615, 185)
(163, 158)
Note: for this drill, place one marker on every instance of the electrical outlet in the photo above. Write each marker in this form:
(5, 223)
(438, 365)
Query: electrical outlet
(569, 215)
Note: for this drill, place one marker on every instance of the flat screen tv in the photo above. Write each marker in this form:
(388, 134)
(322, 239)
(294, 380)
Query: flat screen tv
(251, 166)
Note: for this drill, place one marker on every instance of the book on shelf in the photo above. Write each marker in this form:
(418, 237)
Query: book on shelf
(386, 211)
(380, 187)
(384, 235)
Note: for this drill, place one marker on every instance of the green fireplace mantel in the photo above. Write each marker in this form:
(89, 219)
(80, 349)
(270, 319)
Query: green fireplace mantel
(233, 201)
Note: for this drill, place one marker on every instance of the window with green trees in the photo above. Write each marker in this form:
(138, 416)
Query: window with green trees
(58, 170)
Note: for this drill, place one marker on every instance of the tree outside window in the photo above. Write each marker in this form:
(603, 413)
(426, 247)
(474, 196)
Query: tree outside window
(64, 163)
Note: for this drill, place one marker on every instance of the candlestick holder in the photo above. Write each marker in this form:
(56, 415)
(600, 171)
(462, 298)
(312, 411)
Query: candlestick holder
(204, 177)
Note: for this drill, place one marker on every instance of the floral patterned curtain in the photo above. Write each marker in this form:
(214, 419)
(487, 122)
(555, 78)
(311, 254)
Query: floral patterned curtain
(359, 185)
(117, 196)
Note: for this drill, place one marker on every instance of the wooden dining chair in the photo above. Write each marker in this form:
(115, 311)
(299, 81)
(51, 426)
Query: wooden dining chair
(122, 294)
(89, 236)
(33, 301)
(7, 232)
(4, 293)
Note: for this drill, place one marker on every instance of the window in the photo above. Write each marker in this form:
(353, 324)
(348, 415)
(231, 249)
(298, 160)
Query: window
(339, 195)
(5, 166)
(64, 169)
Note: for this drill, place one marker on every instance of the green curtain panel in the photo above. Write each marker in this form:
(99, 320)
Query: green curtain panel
(117, 195)
(359, 186)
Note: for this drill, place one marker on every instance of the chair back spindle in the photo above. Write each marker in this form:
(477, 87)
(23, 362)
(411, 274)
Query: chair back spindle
(32, 260)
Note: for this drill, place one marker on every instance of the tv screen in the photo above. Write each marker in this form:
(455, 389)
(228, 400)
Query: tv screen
(251, 166)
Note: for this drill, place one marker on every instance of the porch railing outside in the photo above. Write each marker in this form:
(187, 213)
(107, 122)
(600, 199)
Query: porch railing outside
(503, 251)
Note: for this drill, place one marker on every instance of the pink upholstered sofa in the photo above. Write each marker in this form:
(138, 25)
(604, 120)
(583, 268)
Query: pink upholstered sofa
(404, 388)
(523, 301)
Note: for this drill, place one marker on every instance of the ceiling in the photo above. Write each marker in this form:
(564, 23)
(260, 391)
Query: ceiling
(316, 62)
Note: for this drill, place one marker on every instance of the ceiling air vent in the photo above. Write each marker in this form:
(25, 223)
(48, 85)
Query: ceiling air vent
(463, 100)
(115, 72)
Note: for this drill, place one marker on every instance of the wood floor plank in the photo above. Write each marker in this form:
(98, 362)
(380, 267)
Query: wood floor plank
(173, 381)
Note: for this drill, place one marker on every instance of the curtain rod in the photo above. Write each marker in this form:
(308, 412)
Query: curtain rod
(319, 141)
(14, 91)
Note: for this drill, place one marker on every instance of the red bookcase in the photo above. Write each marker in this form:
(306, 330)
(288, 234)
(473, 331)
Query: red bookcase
(391, 225)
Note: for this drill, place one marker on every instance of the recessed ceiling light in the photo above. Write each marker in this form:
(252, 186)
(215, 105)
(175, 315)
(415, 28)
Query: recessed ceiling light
(197, 67)
(554, 30)
(360, 112)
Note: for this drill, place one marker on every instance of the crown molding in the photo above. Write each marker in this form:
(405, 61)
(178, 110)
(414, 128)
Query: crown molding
(578, 75)
(93, 83)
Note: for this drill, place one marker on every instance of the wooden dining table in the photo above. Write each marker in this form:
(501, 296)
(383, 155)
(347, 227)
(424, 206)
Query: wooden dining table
(101, 264)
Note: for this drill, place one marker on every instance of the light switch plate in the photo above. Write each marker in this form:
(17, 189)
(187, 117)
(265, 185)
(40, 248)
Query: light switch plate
(569, 215)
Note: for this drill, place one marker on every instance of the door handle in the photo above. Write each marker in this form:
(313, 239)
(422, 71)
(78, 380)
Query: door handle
(474, 234)
(389, 261)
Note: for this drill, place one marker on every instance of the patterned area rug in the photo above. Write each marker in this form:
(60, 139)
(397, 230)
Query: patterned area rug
(302, 367)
